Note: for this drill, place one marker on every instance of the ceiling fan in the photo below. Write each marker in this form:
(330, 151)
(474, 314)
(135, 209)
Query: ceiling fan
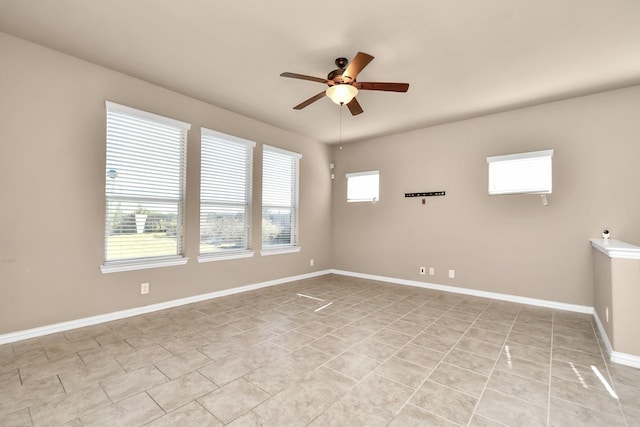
(343, 86)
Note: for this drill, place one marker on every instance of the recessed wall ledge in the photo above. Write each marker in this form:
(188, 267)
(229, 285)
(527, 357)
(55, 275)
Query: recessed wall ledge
(616, 249)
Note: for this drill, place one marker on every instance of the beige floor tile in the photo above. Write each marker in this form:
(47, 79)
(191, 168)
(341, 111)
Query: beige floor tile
(354, 365)
(525, 389)
(530, 339)
(315, 329)
(374, 349)
(249, 419)
(472, 362)
(497, 317)
(352, 412)
(185, 343)
(135, 410)
(577, 344)
(444, 331)
(105, 352)
(412, 416)
(482, 348)
(300, 403)
(524, 368)
(584, 375)
(36, 392)
(227, 370)
(27, 357)
(192, 414)
(90, 374)
(19, 418)
(459, 379)
(282, 372)
(498, 328)
(180, 391)
(596, 398)
(331, 345)
(233, 400)
(292, 340)
(629, 396)
(386, 395)
(420, 355)
(69, 407)
(445, 402)
(59, 365)
(406, 327)
(564, 414)
(480, 421)
(391, 337)
(454, 323)
(142, 358)
(433, 342)
(183, 363)
(510, 410)
(484, 335)
(624, 375)
(404, 372)
(351, 333)
(125, 385)
(533, 354)
(368, 324)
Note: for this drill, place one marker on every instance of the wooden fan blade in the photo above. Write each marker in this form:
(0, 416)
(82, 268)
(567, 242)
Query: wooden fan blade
(357, 64)
(389, 87)
(354, 107)
(309, 101)
(303, 77)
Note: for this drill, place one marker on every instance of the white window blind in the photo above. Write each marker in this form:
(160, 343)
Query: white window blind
(145, 177)
(225, 193)
(279, 197)
(363, 186)
(521, 173)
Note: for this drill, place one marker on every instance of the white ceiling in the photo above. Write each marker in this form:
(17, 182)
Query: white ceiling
(463, 58)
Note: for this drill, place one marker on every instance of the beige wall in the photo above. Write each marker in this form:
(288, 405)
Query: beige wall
(52, 172)
(603, 293)
(625, 295)
(505, 244)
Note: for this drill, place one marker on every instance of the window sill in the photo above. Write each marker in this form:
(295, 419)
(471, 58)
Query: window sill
(225, 256)
(141, 265)
(280, 250)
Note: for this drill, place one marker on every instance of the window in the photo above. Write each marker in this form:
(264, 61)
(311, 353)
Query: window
(225, 196)
(279, 199)
(145, 176)
(363, 186)
(520, 173)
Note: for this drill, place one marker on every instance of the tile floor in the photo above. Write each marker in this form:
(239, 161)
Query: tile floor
(328, 351)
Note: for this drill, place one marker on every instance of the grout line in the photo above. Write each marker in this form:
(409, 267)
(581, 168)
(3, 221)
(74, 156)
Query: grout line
(606, 365)
(553, 317)
(475, 408)
(444, 357)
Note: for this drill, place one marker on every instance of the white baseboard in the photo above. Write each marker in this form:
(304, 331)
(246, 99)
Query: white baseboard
(93, 320)
(616, 356)
(474, 292)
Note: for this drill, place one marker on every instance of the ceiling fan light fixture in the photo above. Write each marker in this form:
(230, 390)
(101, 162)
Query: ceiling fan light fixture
(342, 93)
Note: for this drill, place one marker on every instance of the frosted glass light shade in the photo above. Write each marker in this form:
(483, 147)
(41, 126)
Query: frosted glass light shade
(342, 93)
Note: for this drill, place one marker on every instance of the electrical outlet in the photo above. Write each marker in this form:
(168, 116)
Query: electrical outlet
(422, 270)
(432, 271)
(452, 274)
(311, 262)
(144, 288)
